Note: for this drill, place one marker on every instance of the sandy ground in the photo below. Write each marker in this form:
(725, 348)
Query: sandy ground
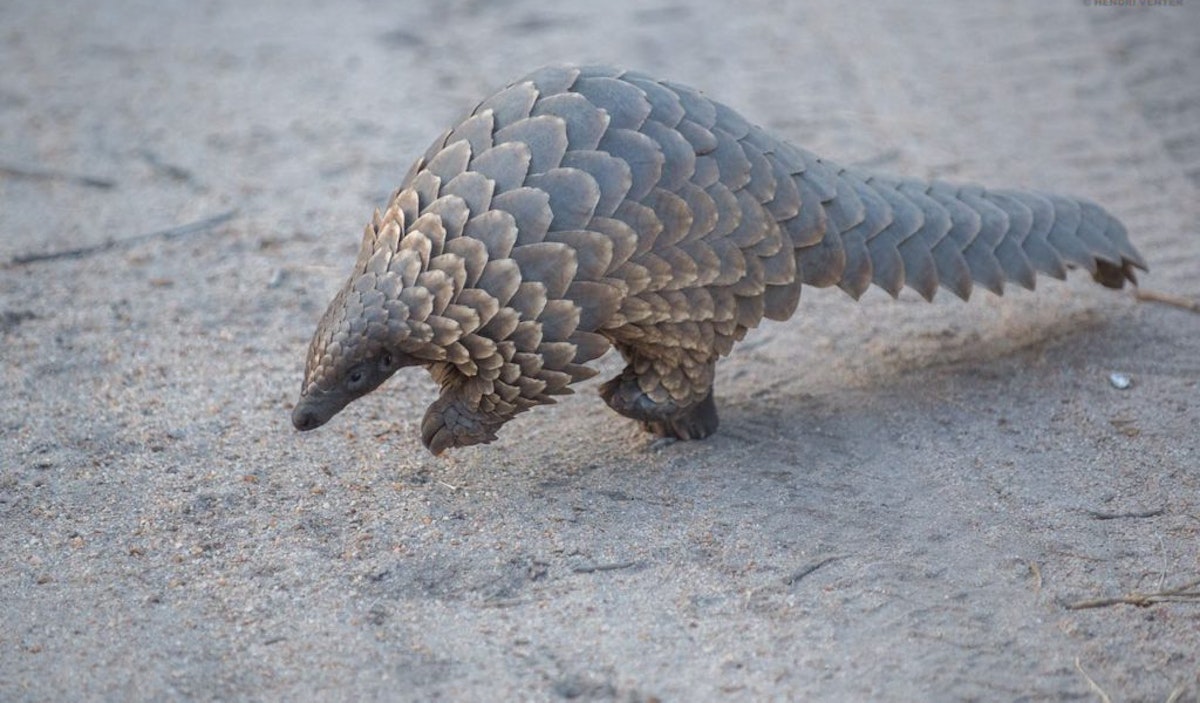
(902, 504)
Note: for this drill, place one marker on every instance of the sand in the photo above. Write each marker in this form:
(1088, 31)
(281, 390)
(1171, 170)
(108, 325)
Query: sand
(905, 501)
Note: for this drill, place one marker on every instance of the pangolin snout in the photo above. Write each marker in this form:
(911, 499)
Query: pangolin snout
(315, 409)
(305, 419)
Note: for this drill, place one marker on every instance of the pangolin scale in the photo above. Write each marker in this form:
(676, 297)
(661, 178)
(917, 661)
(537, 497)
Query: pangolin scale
(588, 207)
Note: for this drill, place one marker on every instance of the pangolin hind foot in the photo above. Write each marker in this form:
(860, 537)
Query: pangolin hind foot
(693, 417)
(586, 208)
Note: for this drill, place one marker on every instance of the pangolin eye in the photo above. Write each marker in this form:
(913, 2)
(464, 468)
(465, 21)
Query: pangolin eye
(356, 376)
(386, 360)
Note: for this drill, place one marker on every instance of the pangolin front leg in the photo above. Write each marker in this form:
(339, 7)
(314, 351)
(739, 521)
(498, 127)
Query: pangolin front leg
(584, 208)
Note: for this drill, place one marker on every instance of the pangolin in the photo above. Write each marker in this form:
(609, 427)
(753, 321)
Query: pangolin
(587, 207)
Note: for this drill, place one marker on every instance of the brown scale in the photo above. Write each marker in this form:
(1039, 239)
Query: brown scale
(581, 209)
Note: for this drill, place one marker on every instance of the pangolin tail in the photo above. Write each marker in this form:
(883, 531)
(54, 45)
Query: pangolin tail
(896, 232)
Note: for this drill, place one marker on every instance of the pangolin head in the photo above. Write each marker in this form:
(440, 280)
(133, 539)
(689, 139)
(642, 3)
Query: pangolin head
(351, 354)
(354, 350)
(392, 314)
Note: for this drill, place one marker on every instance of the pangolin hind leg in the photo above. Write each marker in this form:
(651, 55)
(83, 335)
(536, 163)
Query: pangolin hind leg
(669, 394)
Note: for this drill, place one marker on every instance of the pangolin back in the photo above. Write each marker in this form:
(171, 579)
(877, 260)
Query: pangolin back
(580, 208)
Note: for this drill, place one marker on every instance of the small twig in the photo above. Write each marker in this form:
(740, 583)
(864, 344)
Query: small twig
(1177, 693)
(806, 571)
(504, 602)
(1037, 576)
(1187, 593)
(169, 233)
(1150, 296)
(1091, 683)
(1100, 515)
(593, 568)
(177, 173)
(45, 174)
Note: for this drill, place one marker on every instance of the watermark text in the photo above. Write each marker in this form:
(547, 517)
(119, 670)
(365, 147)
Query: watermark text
(1133, 3)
